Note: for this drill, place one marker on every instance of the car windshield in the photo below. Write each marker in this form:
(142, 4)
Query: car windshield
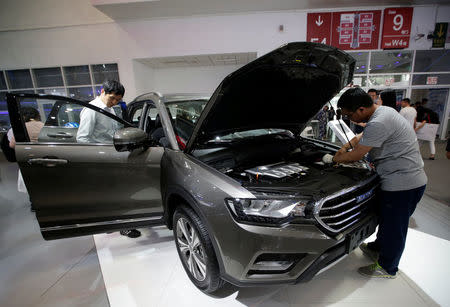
(185, 115)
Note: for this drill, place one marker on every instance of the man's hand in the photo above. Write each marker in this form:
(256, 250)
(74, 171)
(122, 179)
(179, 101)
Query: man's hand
(362, 124)
(358, 152)
(327, 158)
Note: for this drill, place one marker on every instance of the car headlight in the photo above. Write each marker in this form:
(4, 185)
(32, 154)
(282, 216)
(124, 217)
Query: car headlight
(273, 211)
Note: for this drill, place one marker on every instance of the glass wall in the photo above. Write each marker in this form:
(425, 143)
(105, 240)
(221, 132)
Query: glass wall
(413, 74)
(80, 82)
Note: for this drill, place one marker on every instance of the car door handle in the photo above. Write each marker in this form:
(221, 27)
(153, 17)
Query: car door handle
(47, 162)
(62, 135)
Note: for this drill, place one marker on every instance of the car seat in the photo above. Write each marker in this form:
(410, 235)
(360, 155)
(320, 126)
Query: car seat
(157, 133)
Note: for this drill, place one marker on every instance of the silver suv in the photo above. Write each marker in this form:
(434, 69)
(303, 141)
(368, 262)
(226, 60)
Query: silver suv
(249, 200)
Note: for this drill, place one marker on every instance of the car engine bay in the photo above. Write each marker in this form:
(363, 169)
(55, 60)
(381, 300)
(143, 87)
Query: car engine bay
(282, 163)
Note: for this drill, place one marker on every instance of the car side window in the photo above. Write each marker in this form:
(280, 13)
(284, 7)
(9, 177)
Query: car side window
(64, 122)
(154, 127)
(68, 116)
(185, 115)
(136, 116)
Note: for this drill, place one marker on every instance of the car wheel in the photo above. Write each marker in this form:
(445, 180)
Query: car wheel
(195, 250)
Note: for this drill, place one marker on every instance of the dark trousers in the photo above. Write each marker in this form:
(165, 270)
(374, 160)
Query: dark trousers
(395, 209)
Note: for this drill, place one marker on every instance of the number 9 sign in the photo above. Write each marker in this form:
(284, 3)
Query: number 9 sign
(396, 27)
(398, 22)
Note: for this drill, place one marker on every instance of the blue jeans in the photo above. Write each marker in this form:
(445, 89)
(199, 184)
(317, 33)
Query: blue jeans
(395, 209)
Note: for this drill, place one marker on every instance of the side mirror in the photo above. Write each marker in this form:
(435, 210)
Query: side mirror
(128, 139)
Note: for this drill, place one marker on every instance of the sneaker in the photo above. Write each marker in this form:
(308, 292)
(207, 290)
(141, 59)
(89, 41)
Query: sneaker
(369, 252)
(131, 233)
(375, 271)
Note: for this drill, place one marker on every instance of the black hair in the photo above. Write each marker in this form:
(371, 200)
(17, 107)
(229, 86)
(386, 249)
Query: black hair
(113, 86)
(424, 100)
(29, 113)
(372, 90)
(389, 98)
(407, 100)
(353, 99)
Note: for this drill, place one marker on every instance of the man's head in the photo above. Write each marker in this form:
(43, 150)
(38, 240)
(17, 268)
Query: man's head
(356, 104)
(406, 102)
(424, 101)
(112, 93)
(388, 98)
(373, 93)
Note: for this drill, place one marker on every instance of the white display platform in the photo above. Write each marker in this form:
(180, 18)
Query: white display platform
(147, 272)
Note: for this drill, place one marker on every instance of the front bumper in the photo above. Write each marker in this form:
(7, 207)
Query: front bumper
(309, 250)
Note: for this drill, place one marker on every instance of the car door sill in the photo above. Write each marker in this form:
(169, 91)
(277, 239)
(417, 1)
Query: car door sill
(150, 220)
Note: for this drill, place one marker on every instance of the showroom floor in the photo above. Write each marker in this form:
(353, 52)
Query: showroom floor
(34, 272)
(118, 271)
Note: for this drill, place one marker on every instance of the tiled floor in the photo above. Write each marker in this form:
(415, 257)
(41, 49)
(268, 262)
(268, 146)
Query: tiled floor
(147, 272)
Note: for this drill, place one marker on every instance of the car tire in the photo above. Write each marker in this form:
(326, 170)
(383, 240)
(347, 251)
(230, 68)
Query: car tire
(195, 250)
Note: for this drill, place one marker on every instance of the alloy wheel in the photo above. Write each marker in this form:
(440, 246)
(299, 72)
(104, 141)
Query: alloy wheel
(191, 248)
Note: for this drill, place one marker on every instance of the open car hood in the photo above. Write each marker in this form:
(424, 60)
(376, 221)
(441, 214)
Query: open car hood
(282, 89)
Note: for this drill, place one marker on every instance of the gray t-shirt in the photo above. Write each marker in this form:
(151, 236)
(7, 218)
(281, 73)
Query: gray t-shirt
(395, 151)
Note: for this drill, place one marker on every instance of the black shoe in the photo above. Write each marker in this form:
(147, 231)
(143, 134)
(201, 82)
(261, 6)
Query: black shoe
(131, 233)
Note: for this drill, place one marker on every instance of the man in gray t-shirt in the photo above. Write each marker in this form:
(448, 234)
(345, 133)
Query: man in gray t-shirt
(395, 150)
(392, 146)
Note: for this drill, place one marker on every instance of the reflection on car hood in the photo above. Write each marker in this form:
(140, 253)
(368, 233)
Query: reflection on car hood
(282, 89)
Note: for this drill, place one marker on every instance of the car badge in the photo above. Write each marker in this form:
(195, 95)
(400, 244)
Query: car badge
(364, 196)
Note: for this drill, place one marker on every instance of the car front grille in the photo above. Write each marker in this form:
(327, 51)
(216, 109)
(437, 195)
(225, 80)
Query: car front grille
(340, 211)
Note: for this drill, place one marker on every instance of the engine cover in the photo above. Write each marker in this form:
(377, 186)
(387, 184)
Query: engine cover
(278, 170)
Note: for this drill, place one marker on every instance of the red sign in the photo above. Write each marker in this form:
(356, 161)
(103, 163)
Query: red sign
(355, 30)
(396, 27)
(432, 80)
(319, 28)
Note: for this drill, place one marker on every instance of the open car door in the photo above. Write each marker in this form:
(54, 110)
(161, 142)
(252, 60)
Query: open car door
(83, 188)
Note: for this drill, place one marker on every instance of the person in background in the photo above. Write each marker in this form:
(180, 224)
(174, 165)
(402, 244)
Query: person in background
(420, 111)
(33, 124)
(388, 98)
(331, 114)
(373, 93)
(322, 117)
(392, 145)
(427, 117)
(408, 112)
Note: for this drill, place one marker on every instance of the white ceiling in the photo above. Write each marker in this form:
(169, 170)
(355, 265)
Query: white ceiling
(200, 60)
(145, 9)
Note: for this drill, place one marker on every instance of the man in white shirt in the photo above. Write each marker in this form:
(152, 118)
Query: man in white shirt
(408, 112)
(98, 128)
(94, 126)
